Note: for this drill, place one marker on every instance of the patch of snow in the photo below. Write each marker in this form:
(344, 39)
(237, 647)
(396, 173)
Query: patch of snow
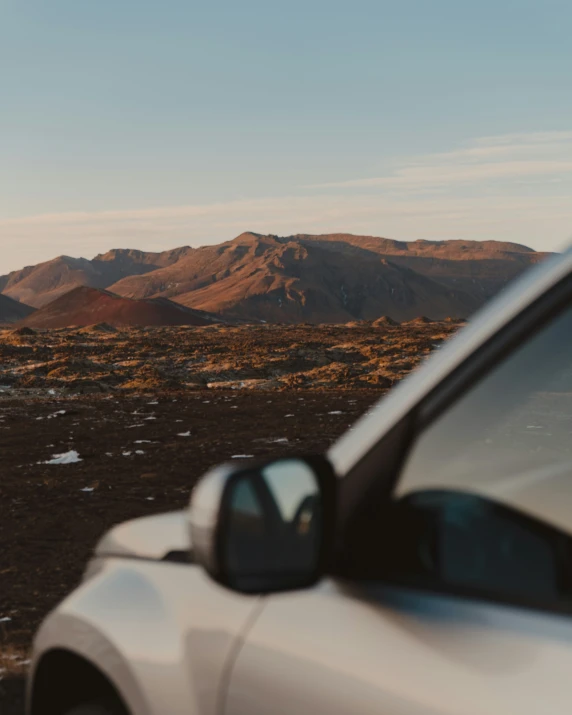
(87, 489)
(150, 418)
(139, 451)
(5, 619)
(71, 457)
(143, 441)
(132, 426)
(184, 434)
(336, 412)
(56, 414)
(288, 415)
(242, 456)
(126, 454)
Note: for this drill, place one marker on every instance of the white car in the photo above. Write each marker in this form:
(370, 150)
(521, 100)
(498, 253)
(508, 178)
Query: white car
(422, 567)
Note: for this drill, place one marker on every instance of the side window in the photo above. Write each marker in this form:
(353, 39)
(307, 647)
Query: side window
(484, 501)
(510, 436)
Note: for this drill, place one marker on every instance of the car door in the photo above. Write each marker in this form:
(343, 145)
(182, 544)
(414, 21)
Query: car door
(454, 593)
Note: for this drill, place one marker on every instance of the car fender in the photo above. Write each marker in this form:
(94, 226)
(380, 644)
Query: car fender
(163, 634)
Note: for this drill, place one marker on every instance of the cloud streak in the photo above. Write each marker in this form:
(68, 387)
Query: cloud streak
(438, 196)
(515, 156)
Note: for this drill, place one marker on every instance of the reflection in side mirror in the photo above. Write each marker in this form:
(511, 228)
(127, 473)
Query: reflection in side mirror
(258, 529)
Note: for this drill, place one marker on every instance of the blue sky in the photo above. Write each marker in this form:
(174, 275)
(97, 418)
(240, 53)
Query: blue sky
(151, 125)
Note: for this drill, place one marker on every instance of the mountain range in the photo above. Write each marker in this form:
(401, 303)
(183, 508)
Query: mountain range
(331, 278)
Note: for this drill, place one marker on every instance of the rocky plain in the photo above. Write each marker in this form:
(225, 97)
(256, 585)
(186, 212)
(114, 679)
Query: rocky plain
(143, 412)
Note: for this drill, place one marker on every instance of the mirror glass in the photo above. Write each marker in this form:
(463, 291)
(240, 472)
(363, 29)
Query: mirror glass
(273, 527)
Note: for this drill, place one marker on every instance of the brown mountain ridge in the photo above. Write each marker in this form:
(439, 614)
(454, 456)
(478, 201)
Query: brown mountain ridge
(331, 278)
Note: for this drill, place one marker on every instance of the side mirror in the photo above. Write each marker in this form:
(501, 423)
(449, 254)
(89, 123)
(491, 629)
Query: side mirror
(262, 528)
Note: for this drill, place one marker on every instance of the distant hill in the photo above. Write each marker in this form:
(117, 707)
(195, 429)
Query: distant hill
(303, 278)
(11, 310)
(85, 306)
(41, 284)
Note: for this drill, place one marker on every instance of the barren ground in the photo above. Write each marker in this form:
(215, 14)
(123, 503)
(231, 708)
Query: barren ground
(124, 400)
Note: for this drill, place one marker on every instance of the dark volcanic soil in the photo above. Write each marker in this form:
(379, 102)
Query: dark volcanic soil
(126, 418)
(134, 463)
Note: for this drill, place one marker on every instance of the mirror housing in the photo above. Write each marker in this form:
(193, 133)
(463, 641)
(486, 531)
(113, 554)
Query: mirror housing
(264, 527)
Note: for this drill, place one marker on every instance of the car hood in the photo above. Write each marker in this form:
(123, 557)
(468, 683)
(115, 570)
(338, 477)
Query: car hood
(149, 537)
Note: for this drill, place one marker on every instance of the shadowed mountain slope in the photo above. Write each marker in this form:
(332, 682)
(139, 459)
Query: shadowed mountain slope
(11, 310)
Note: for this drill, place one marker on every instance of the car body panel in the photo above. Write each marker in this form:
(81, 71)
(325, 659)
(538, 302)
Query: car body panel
(151, 537)
(338, 650)
(162, 633)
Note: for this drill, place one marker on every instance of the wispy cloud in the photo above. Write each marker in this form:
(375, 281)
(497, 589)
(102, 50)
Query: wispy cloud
(509, 157)
(424, 202)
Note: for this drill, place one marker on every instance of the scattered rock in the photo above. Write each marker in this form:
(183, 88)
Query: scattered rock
(98, 328)
(385, 322)
(86, 387)
(23, 332)
(421, 320)
(100, 359)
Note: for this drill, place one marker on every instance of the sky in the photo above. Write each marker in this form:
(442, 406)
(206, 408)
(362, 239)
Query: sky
(158, 124)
